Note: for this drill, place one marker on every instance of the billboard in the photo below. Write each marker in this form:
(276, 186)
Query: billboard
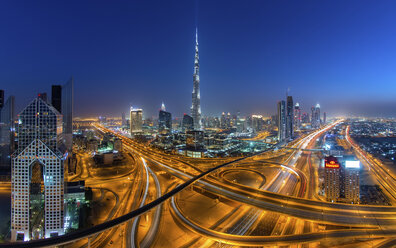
(332, 162)
(352, 164)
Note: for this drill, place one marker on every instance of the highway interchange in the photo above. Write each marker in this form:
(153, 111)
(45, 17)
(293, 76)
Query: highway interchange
(268, 199)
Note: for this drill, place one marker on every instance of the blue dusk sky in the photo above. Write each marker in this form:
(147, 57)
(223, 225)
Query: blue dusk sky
(341, 54)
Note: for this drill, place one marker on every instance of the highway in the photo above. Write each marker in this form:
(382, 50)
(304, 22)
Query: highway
(235, 239)
(383, 175)
(286, 200)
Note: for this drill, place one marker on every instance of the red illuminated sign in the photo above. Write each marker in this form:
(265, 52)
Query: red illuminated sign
(332, 162)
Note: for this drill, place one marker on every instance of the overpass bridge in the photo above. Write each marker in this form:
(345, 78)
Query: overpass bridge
(303, 149)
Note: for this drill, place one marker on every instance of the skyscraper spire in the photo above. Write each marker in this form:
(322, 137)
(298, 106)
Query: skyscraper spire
(163, 106)
(196, 95)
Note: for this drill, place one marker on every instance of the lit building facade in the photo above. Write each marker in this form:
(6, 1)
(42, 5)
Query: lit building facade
(315, 119)
(289, 117)
(196, 94)
(164, 121)
(281, 121)
(37, 177)
(332, 179)
(187, 123)
(351, 181)
(297, 116)
(195, 143)
(136, 120)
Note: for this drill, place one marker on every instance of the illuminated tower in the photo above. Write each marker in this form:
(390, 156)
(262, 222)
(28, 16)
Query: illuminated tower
(37, 174)
(351, 181)
(289, 117)
(315, 121)
(332, 179)
(136, 120)
(196, 95)
(164, 121)
(281, 121)
(297, 116)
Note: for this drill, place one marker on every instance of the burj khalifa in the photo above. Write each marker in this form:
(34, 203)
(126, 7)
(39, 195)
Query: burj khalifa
(196, 95)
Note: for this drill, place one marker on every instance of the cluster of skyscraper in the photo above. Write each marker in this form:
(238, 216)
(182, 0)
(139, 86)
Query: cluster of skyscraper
(289, 118)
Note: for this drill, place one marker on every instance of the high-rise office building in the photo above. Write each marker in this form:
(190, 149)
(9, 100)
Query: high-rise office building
(297, 116)
(324, 118)
(187, 123)
(136, 120)
(315, 120)
(164, 121)
(56, 97)
(163, 106)
(195, 143)
(281, 121)
(37, 176)
(257, 123)
(7, 132)
(223, 121)
(289, 117)
(305, 118)
(351, 181)
(332, 179)
(196, 94)
(67, 112)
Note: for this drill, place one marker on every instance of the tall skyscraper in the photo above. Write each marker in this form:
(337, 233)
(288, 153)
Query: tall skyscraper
(37, 176)
(351, 181)
(56, 97)
(297, 116)
(136, 120)
(332, 179)
(163, 106)
(7, 131)
(315, 120)
(281, 121)
(67, 112)
(196, 94)
(164, 121)
(223, 121)
(289, 117)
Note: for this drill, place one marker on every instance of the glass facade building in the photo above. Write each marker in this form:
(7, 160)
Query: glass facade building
(136, 120)
(37, 177)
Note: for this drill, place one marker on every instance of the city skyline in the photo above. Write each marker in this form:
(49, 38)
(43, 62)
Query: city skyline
(248, 61)
(106, 142)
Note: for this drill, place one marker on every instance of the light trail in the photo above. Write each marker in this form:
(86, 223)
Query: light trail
(136, 220)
